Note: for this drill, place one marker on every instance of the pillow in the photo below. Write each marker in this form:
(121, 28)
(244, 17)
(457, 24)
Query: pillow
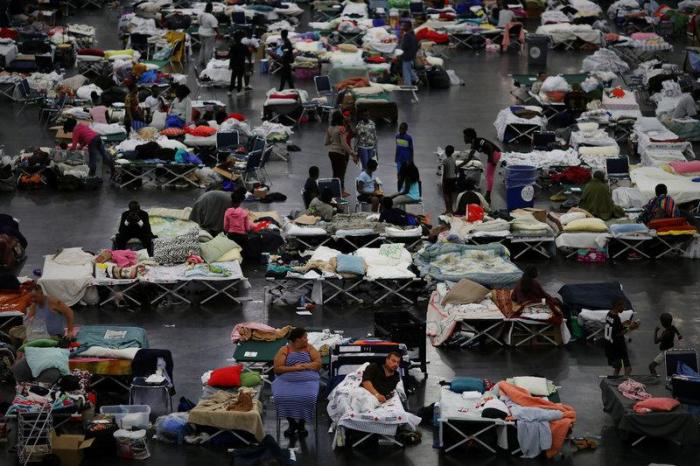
(176, 250)
(91, 52)
(214, 249)
(655, 404)
(681, 167)
(40, 359)
(202, 131)
(250, 379)
(350, 264)
(226, 376)
(347, 48)
(172, 132)
(628, 229)
(232, 255)
(465, 292)
(535, 385)
(467, 384)
(119, 53)
(565, 219)
(586, 224)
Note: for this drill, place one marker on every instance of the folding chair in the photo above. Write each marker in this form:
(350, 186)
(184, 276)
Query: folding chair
(417, 10)
(28, 96)
(147, 362)
(53, 111)
(334, 185)
(139, 42)
(226, 144)
(617, 169)
(325, 89)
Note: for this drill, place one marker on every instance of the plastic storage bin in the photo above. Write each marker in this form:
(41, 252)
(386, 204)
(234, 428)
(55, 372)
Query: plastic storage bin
(537, 49)
(128, 416)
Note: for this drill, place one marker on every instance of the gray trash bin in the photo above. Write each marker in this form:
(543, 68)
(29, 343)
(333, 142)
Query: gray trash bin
(537, 48)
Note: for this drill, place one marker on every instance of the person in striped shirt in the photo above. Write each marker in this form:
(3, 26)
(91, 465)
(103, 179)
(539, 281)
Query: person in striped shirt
(662, 206)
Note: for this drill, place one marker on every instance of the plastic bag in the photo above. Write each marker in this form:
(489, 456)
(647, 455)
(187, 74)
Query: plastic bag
(36, 329)
(172, 428)
(474, 213)
(132, 445)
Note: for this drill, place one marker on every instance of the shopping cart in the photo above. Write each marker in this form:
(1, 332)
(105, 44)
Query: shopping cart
(34, 435)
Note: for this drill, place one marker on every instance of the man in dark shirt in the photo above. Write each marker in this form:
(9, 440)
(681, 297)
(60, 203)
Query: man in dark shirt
(238, 55)
(665, 340)
(135, 224)
(392, 215)
(381, 380)
(614, 334)
(311, 186)
(286, 60)
(409, 47)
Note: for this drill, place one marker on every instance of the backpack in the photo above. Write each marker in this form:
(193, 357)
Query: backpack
(438, 78)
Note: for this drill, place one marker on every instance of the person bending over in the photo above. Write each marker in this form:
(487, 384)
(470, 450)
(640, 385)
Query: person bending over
(236, 221)
(135, 224)
(53, 312)
(84, 137)
(381, 380)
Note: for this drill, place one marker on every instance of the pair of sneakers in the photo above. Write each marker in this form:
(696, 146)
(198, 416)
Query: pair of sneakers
(296, 428)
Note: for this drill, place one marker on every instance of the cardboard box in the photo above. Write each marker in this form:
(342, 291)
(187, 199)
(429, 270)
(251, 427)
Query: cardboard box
(70, 448)
(226, 174)
(260, 193)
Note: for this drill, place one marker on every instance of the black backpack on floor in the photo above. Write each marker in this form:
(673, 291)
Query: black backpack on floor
(438, 78)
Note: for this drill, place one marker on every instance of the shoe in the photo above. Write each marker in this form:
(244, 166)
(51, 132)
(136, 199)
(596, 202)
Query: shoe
(249, 88)
(229, 93)
(240, 93)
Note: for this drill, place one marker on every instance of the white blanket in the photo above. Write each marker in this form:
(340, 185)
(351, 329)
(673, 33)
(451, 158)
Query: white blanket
(67, 275)
(350, 405)
(506, 117)
(390, 261)
(102, 352)
(681, 188)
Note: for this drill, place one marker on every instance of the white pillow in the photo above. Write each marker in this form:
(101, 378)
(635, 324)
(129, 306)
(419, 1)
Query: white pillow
(535, 385)
(495, 403)
(570, 217)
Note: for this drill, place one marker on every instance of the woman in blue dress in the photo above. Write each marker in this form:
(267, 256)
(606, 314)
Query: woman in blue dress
(295, 389)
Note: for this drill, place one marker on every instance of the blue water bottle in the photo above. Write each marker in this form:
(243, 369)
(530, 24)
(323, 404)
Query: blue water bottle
(436, 426)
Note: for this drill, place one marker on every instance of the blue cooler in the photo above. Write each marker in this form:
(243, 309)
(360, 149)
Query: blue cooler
(520, 186)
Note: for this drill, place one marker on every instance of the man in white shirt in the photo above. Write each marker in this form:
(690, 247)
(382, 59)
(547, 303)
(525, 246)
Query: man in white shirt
(208, 30)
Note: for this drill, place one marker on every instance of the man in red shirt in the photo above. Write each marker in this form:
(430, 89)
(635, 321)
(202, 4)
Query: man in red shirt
(83, 137)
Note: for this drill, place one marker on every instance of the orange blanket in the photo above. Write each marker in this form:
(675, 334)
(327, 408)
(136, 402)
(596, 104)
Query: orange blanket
(559, 428)
(16, 300)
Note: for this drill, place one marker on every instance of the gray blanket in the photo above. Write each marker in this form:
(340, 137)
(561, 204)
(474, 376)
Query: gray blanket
(208, 210)
(677, 425)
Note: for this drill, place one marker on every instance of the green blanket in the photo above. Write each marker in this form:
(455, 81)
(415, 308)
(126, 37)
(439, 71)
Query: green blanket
(597, 200)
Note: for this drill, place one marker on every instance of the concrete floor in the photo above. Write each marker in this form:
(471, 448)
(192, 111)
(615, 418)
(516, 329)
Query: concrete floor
(199, 337)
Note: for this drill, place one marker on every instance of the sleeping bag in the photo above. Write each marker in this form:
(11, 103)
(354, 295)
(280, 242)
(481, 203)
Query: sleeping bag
(465, 384)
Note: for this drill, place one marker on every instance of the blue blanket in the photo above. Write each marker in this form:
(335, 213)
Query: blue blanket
(111, 336)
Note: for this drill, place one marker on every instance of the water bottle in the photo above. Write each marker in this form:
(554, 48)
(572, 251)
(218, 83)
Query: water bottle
(436, 426)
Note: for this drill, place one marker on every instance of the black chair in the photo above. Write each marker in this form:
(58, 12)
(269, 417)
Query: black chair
(139, 42)
(28, 95)
(226, 143)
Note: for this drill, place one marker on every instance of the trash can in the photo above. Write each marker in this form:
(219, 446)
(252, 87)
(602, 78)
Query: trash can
(520, 186)
(537, 48)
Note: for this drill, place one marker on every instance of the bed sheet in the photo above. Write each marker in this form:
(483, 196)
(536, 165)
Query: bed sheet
(658, 157)
(110, 353)
(182, 272)
(599, 315)
(200, 141)
(598, 138)
(110, 336)
(506, 117)
(101, 366)
(681, 188)
(686, 128)
(213, 412)
(347, 407)
(626, 102)
(216, 72)
(170, 227)
(69, 280)
(543, 159)
(441, 321)
(582, 240)
(488, 264)
(564, 32)
(390, 261)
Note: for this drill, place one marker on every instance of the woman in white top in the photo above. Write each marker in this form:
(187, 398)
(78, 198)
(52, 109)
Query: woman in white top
(182, 105)
(208, 30)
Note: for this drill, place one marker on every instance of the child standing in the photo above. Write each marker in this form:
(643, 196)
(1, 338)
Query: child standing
(404, 150)
(614, 333)
(311, 186)
(664, 340)
(449, 178)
